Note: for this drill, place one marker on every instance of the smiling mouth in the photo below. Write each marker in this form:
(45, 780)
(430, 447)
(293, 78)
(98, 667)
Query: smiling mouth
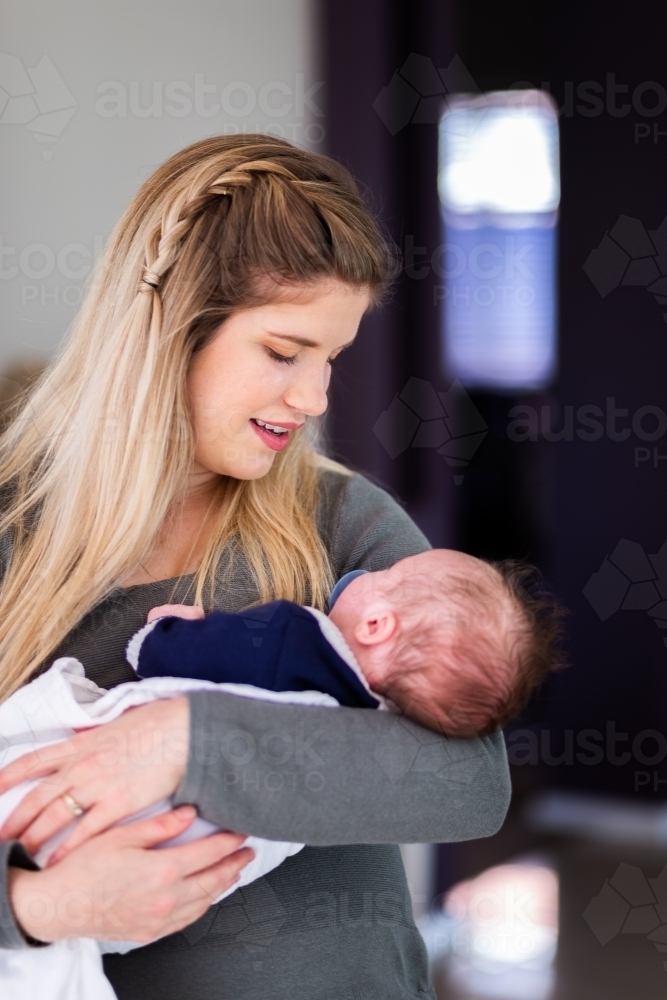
(277, 438)
(272, 428)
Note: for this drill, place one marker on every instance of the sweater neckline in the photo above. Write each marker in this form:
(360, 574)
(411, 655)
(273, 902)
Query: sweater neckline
(156, 583)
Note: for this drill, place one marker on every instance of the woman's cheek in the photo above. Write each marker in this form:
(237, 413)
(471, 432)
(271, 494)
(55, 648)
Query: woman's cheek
(207, 423)
(235, 422)
(260, 386)
(227, 416)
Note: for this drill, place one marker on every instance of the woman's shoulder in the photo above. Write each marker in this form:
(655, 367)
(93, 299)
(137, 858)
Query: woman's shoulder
(364, 527)
(353, 493)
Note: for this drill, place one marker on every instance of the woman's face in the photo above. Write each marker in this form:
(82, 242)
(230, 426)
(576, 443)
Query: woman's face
(264, 371)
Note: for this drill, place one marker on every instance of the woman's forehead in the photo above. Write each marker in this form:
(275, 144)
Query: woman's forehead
(305, 292)
(310, 317)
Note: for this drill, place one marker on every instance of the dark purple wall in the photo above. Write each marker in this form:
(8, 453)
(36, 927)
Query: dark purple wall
(365, 44)
(585, 495)
(614, 346)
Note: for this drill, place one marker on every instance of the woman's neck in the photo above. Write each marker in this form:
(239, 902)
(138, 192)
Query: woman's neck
(182, 539)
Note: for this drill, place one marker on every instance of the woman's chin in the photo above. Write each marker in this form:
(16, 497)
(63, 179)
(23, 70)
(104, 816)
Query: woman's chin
(249, 466)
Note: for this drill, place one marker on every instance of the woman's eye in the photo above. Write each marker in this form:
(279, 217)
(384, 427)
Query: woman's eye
(283, 359)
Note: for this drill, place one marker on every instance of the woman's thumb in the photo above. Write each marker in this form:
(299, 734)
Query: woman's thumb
(152, 831)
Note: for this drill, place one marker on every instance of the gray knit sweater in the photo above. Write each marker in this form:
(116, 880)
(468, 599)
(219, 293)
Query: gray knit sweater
(333, 922)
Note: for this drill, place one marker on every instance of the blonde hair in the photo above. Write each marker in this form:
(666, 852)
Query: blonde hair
(99, 452)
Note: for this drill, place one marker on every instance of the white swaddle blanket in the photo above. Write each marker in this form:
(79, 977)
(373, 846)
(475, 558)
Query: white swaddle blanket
(48, 710)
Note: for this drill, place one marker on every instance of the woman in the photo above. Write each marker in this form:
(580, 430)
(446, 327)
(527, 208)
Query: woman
(169, 455)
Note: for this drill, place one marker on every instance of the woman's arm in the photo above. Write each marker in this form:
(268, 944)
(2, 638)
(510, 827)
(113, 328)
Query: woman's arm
(373, 777)
(339, 775)
(318, 775)
(336, 776)
(286, 772)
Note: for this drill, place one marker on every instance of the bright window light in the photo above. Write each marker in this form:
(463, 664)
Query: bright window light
(499, 190)
(500, 159)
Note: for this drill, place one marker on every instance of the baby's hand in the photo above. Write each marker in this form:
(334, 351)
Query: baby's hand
(176, 610)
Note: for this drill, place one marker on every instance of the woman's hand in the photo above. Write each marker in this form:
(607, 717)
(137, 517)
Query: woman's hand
(115, 888)
(112, 771)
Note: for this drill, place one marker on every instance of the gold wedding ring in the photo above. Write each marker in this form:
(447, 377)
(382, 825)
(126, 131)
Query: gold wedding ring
(72, 805)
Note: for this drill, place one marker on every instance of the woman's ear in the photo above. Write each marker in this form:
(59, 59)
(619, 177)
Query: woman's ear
(377, 626)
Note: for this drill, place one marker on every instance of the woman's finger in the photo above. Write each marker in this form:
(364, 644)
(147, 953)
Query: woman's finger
(199, 855)
(95, 820)
(156, 829)
(31, 805)
(213, 881)
(199, 891)
(55, 817)
(37, 764)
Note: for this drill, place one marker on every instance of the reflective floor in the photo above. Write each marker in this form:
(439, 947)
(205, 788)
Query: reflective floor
(611, 932)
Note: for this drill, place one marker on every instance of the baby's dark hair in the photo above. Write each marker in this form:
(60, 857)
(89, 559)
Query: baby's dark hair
(496, 643)
(540, 653)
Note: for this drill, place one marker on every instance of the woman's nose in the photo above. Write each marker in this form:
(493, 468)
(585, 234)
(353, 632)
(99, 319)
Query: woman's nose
(308, 393)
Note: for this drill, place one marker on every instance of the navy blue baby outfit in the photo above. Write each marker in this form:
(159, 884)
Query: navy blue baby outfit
(278, 646)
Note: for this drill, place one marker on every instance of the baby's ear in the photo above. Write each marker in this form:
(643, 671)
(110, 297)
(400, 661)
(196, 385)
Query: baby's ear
(377, 626)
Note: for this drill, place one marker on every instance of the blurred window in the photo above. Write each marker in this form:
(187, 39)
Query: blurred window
(499, 189)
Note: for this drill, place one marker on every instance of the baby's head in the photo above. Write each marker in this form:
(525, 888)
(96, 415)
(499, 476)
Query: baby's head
(456, 642)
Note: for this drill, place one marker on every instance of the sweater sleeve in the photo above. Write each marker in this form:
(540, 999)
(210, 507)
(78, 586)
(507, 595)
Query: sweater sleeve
(12, 854)
(343, 776)
(326, 776)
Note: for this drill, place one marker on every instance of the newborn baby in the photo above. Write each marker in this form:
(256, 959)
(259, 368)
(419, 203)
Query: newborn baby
(448, 639)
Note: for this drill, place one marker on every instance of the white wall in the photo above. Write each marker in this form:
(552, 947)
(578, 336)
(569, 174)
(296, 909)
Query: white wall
(420, 862)
(79, 129)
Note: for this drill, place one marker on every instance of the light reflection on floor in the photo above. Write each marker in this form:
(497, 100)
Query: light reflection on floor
(526, 930)
(503, 932)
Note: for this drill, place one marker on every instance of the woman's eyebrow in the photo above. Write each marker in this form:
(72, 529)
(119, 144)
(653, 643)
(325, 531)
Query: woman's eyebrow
(301, 341)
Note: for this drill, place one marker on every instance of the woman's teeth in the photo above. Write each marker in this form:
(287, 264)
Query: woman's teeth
(270, 427)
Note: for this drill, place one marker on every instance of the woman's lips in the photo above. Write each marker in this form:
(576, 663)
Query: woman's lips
(277, 442)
